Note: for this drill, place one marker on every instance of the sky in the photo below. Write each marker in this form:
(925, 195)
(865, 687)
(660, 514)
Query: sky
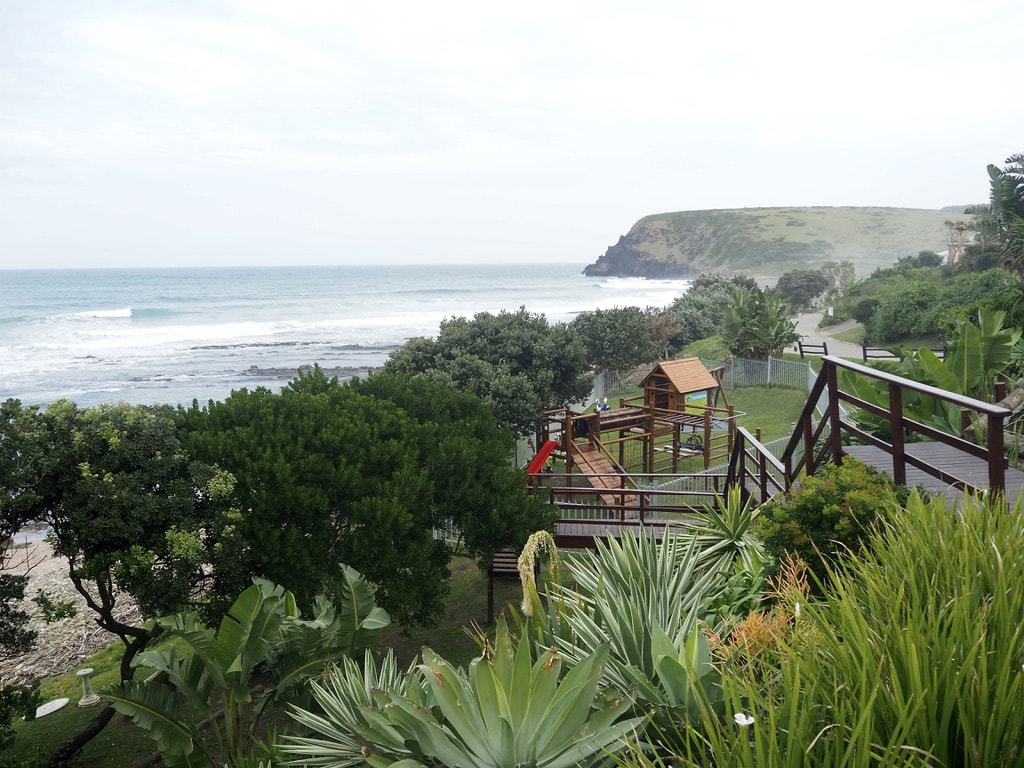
(262, 132)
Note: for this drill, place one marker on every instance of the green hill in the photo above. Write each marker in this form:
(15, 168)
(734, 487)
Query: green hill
(766, 242)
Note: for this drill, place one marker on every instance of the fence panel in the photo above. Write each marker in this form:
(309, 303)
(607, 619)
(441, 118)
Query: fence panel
(773, 372)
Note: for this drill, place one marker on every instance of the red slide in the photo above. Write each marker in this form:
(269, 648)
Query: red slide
(541, 457)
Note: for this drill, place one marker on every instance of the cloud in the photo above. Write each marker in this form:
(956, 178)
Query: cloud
(555, 125)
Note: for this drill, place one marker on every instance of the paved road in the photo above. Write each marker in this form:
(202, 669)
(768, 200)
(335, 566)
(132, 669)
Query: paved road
(807, 327)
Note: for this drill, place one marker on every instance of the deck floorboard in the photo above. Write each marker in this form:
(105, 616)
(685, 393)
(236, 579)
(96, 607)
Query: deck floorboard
(957, 464)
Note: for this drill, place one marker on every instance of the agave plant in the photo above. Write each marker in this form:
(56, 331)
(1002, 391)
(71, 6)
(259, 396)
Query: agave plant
(343, 695)
(513, 708)
(644, 598)
(725, 534)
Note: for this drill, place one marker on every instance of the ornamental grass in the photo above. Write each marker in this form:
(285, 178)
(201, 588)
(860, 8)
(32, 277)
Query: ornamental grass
(913, 656)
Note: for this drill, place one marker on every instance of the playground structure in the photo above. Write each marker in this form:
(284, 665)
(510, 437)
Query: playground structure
(681, 416)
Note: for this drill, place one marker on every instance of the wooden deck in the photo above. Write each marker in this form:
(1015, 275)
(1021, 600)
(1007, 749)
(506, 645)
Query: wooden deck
(580, 534)
(959, 469)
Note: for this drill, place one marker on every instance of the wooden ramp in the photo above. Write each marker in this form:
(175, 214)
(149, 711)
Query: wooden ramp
(594, 465)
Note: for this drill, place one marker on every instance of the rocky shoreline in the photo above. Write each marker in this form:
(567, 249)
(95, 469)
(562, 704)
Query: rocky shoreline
(61, 646)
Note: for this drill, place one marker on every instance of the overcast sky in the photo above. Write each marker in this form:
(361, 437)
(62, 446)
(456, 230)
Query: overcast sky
(151, 133)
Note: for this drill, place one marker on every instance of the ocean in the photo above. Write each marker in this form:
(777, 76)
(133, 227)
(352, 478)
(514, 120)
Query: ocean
(175, 335)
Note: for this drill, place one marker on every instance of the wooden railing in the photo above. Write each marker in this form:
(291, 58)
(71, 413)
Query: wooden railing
(753, 467)
(825, 440)
(652, 505)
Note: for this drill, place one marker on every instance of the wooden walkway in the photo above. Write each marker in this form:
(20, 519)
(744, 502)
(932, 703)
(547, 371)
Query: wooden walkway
(580, 534)
(958, 467)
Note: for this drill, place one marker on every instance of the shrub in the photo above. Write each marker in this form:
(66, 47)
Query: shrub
(828, 515)
(864, 310)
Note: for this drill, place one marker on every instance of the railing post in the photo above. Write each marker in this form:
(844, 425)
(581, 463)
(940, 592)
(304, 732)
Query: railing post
(835, 438)
(899, 459)
(762, 479)
(741, 465)
(996, 457)
(808, 430)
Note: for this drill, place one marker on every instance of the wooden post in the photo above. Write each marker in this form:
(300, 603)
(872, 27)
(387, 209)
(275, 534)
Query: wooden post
(899, 459)
(996, 458)
(835, 438)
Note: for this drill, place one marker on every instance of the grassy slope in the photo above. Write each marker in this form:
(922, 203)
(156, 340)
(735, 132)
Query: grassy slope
(770, 241)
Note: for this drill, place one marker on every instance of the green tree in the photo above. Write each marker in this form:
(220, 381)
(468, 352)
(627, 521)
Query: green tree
(841, 275)
(516, 361)
(466, 455)
(17, 435)
(800, 287)
(904, 311)
(758, 324)
(127, 508)
(927, 303)
(663, 330)
(700, 312)
(617, 339)
(361, 473)
(324, 475)
(19, 446)
(1006, 209)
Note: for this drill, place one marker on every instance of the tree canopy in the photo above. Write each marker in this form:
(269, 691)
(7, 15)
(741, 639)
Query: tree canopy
(802, 286)
(516, 361)
(360, 473)
(16, 437)
(757, 324)
(617, 339)
(1007, 211)
(700, 311)
(126, 507)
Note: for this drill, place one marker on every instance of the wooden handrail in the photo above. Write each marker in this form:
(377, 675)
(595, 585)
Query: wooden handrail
(901, 427)
(747, 446)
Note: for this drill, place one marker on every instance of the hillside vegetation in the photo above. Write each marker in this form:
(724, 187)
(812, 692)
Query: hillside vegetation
(767, 242)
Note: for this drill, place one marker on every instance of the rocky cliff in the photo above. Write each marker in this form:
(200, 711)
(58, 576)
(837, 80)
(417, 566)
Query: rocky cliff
(766, 242)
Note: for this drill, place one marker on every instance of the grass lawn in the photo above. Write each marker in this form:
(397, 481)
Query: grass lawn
(467, 607)
(773, 410)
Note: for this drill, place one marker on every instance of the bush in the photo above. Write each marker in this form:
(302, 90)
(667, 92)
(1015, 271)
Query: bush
(829, 514)
(864, 310)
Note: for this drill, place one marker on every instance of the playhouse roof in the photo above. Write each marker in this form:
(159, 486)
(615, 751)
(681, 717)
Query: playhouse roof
(685, 375)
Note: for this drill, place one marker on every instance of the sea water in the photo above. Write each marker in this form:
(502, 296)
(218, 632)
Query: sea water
(175, 335)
